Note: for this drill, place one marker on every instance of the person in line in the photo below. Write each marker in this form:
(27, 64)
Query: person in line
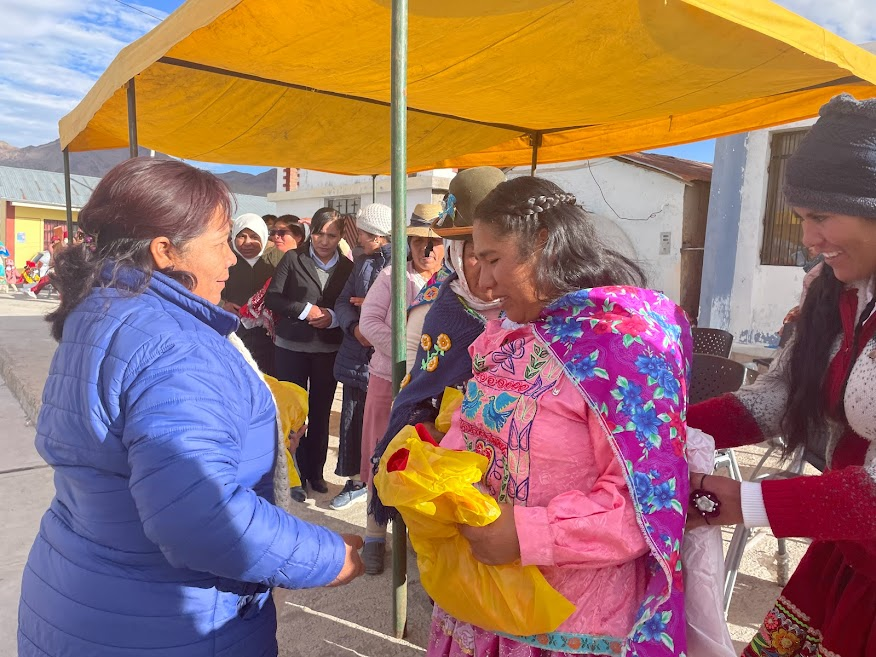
(302, 296)
(374, 225)
(453, 304)
(427, 257)
(576, 399)
(286, 234)
(820, 390)
(163, 438)
(249, 236)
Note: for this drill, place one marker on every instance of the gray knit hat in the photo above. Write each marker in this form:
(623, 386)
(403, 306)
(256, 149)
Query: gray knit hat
(834, 168)
(376, 219)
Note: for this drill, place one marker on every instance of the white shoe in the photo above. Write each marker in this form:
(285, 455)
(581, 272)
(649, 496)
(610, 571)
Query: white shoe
(30, 293)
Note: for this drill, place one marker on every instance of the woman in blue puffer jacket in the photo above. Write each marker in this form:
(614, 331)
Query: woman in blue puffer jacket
(162, 538)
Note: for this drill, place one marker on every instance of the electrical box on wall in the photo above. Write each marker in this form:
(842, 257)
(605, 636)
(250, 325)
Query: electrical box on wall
(665, 243)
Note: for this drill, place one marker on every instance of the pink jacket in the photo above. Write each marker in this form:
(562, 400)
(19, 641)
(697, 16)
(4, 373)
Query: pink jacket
(548, 457)
(375, 321)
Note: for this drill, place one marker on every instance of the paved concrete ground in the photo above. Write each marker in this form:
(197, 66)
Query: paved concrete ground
(354, 620)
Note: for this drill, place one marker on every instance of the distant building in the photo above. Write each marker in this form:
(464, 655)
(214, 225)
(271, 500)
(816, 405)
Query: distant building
(302, 192)
(651, 207)
(32, 204)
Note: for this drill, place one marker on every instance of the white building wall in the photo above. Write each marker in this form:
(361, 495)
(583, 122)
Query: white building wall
(762, 294)
(649, 203)
(315, 187)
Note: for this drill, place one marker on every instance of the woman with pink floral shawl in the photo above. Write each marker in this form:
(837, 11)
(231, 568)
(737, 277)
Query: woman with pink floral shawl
(578, 401)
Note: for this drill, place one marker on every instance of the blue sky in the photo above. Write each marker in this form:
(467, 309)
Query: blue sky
(54, 50)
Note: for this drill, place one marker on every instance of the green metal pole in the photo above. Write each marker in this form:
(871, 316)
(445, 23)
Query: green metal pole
(399, 255)
(68, 196)
(133, 147)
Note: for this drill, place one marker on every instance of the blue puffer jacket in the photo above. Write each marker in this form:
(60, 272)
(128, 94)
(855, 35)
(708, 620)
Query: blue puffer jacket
(351, 363)
(161, 539)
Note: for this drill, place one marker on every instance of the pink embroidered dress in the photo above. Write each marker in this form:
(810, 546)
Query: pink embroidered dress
(581, 494)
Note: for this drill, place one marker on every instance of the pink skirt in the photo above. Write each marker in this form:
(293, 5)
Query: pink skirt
(453, 638)
(378, 405)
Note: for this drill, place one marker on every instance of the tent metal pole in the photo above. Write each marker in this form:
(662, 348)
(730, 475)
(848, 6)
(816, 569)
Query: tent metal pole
(133, 148)
(536, 142)
(374, 188)
(398, 113)
(68, 196)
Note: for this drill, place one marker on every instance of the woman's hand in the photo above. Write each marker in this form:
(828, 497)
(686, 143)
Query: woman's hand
(433, 431)
(294, 439)
(319, 318)
(361, 338)
(232, 308)
(357, 301)
(497, 543)
(728, 492)
(353, 566)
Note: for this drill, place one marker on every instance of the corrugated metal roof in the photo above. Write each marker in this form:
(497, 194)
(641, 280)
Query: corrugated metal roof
(686, 170)
(47, 188)
(43, 187)
(257, 204)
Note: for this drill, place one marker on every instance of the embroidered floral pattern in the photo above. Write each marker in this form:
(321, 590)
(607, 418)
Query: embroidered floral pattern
(443, 342)
(514, 380)
(628, 351)
(434, 351)
(786, 632)
(430, 292)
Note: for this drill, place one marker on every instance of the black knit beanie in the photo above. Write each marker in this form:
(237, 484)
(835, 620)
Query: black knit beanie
(834, 168)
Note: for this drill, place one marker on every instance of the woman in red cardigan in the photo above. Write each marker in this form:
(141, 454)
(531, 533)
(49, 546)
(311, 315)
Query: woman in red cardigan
(823, 384)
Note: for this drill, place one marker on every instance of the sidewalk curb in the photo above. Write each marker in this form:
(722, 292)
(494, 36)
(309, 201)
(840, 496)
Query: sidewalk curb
(30, 401)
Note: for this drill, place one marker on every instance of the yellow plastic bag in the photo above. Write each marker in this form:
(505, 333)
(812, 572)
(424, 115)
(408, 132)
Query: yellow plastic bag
(292, 408)
(450, 401)
(433, 490)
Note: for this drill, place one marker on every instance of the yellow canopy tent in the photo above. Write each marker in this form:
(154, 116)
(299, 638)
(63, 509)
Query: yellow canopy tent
(307, 83)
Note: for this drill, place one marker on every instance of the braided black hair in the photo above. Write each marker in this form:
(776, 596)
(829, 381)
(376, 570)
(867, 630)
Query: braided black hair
(548, 224)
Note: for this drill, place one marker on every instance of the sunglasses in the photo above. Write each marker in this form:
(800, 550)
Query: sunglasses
(280, 233)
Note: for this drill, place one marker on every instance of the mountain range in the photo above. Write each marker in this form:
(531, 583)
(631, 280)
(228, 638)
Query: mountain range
(48, 157)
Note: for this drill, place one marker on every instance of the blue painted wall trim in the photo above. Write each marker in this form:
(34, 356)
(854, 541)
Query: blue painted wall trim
(722, 230)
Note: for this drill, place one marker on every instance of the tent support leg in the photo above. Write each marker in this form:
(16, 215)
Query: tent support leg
(133, 148)
(374, 188)
(536, 142)
(399, 305)
(68, 196)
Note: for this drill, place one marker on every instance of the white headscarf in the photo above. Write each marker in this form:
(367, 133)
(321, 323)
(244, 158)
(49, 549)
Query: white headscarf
(257, 225)
(460, 285)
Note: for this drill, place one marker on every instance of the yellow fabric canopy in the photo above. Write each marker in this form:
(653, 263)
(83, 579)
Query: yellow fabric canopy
(307, 83)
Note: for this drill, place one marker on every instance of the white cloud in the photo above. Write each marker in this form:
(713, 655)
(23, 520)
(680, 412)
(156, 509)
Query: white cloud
(51, 54)
(854, 20)
(54, 50)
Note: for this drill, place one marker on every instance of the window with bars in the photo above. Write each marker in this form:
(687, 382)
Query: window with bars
(344, 204)
(782, 232)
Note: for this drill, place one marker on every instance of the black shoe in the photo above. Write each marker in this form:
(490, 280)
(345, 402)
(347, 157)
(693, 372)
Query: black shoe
(298, 494)
(319, 486)
(373, 556)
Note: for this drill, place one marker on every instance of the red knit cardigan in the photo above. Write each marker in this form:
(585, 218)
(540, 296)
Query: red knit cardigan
(839, 505)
